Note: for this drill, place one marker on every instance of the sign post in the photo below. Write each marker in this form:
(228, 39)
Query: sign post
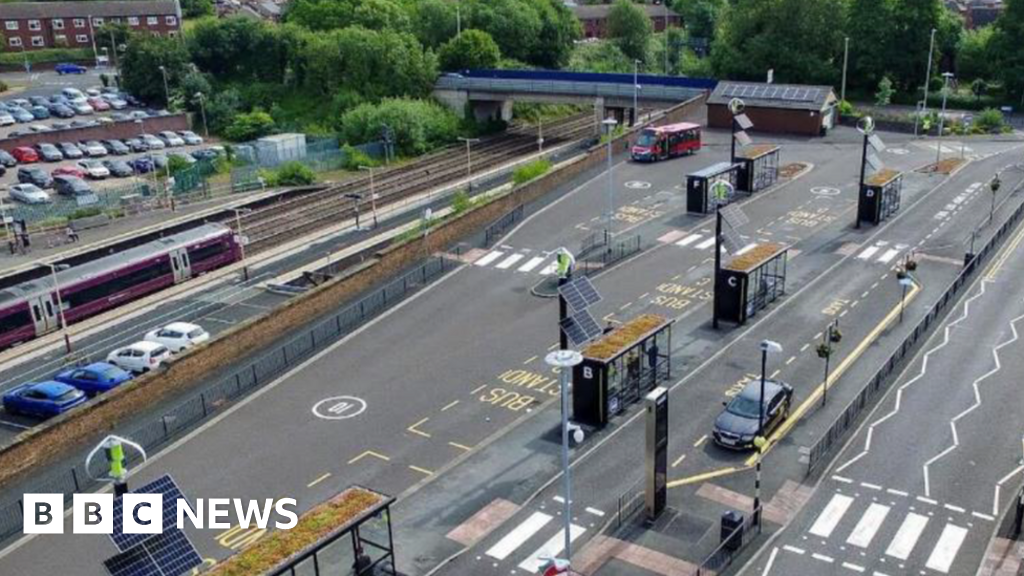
(656, 452)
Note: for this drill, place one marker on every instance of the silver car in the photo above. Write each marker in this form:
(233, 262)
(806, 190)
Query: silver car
(29, 194)
(153, 142)
(171, 139)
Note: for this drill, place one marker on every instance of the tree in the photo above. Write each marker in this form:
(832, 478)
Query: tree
(120, 32)
(884, 94)
(539, 32)
(192, 83)
(419, 125)
(335, 14)
(141, 62)
(239, 48)
(473, 49)
(700, 16)
(196, 8)
(434, 22)
(870, 29)
(913, 21)
(630, 28)
(1007, 48)
(221, 109)
(975, 59)
(249, 126)
(604, 57)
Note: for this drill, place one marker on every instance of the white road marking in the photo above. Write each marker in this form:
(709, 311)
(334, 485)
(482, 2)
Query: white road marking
(983, 516)
(831, 515)
(842, 479)
(594, 511)
(868, 253)
(551, 549)
(706, 244)
(488, 258)
(889, 255)
(508, 262)
(945, 550)
(550, 268)
(531, 264)
(897, 492)
(868, 525)
(519, 535)
(853, 567)
(794, 549)
(906, 537)
(823, 558)
(771, 561)
(955, 508)
(871, 486)
(688, 240)
(927, 500)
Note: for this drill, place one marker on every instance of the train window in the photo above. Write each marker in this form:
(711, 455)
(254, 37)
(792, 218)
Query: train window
(118, 284)
(49, 308)
(207, 252)
(14, 321)
(35, 312)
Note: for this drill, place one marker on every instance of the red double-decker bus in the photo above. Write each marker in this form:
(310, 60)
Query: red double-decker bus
(663, 142)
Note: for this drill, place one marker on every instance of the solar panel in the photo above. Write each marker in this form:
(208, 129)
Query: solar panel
(743, 138)
(579, 294)
(734, 216)
(876, 143)
(812, 94)
(580, 328)
(173, 553)
(787, 94)
(874, 161)
(731, 239)
(744, 122)
(171, 493)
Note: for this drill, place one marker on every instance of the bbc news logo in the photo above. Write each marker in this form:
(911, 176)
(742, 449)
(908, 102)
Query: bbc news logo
(144, 513)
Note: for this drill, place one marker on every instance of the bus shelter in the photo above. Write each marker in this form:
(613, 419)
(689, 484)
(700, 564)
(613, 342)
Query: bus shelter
(702, 197)
(750, 281)
(620, 368)
(759, 167)
(880, 196)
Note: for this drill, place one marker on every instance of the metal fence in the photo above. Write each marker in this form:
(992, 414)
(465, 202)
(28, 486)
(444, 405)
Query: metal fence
(160, 430)
(730, 547)
(498, 229)
(628, 503)
(890, 370)
(599, 256)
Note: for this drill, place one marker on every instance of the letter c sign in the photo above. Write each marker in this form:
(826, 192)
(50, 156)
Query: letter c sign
(732, 281)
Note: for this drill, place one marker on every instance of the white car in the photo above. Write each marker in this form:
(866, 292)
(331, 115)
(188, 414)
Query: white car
(153, 142)
(94, 169)
(190, 137)
(29, 194)
(40, 128)
(95, 92)
(139, 357)
(81, 107)
(115, 101)
(6, 119)
(171, 139)
(178, 336)
(93, 148)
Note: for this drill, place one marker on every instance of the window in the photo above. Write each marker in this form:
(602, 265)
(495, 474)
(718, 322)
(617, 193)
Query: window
(97, 22)
(38, 41)
(11, 24)
(58, 24)
(152, 20)
(81, 38)
(15, 41)
(120, 283)
(14, 321)
(171, 20)
(35, 25)
(133, 20)
(79, 22)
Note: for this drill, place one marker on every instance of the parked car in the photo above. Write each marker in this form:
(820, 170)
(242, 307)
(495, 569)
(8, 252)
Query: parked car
(67, 185)
(153, 142)
(204, 154)
(190, 137)
(93, 148)
(118, 168)
(136, 145)
(188, 158)
(171, 139)
(65, 68)
(3, 171)
(6, 159)
(21, 103)
(59, 110)
(29, 194)
(25, 154)
(81, 107)
(67, 171)
(118, 116)
(141, 165)
(84, 123)
(22, 115)
(94, 169)
(37, 128)
(137, 115)
(34, 175)
(6, 119)
(93, 92)
(116, 147)
(58, 98)
(94, 378)
(39, 112)
(159, 160)
(737, 425)
(178, 336)
(104, 120)
(43, 399)
(139, 357)
(115, 101)
(60, 126)
(49, 152)
(98, 104)
(37, 100)
(70, 150)
(72, 94)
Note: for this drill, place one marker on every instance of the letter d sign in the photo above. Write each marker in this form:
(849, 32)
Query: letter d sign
(44, 514)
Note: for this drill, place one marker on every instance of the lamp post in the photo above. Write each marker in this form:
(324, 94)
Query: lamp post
(202, 110)
(942, 117)
(540, 134)
(830, 336)
(469, 157)
(846, 58)
(458, 19)
(759, 441)
(60, 303)
(993, 185)
(928, 70)
(664, 7)
(636, 92)
(563, 361)
(242, 240)
(373, 194)
(167, 90)
(609, 128)
(866, 125)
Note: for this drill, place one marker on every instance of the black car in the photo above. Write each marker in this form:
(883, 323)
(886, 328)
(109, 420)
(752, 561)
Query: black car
(118, 168)
(136, 145)
(34, 175)
(40, 112)
(116, 147)
(736, 426)
(38, 100)
(205, 154)
(70, 150)
(49, 152)
(6, 160)
(61, 110)
(67, 185)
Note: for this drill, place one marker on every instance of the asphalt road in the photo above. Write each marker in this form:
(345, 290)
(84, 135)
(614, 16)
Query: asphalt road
(460, 414)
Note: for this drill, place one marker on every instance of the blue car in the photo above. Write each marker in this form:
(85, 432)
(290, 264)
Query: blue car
(43, 399)
(69, 69)
(141, 165)
(95, 378)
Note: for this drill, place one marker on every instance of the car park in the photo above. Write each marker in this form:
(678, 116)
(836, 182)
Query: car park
(178, 336)
(49, 152)
(72, 93)
(94, 169)
(43, 399)
(29, 194)
(737, 426)
(136, 145)
(139, 357)
(153, 142)
(81, 107)
(70, 150)
(95, 378)
(116, 147)
(118, 168)
(39, 112)
(171, 139)
(66, 68)
(25, 154)
(37, 128)
(67, 185)
(22, 115)
(190, 138)
(188, 158)
(6, 159)
(34, 175)
(6, 119)
(98, 104)
(93, 148)
(141, 165)
(67, 171)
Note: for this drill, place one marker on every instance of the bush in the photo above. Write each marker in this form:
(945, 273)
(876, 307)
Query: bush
(249, 126)
(3, 86)
(418, 125)
(354, 158)
(46, 55)
(290, 174)
(845, 108)
(85, 213)
(528, 172)
(473, 50)
(989, 120)
(176, 164)
(461, 202)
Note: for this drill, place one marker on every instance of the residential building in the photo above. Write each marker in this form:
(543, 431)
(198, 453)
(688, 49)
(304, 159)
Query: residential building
(38, 25)
(594, 17)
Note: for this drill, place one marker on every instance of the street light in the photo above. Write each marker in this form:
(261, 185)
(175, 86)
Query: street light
(609, 129)
(60, 303)
(202, 110)
(664, 7)
(942, 117)
(846, 58)
(373, 195)
(928, 70)
(469, 158)
(563, 361)
(759, 440)
(242, 240)
(993, 185)
(866, 125)
(636, 91)
(167, 90)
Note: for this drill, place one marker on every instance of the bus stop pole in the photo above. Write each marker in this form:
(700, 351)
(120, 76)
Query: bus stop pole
(718, 265)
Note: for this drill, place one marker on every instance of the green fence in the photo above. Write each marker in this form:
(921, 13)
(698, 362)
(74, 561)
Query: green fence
(109, 200)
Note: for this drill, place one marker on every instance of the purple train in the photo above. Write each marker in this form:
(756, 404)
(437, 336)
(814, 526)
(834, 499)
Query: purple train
(29, 309)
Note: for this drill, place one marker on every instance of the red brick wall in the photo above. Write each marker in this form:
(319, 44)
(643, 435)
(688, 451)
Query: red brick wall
(49, 33)
(118, 130)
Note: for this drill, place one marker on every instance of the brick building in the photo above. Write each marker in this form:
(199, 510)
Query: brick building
(594, 18)
(777, 108)
(38, 25)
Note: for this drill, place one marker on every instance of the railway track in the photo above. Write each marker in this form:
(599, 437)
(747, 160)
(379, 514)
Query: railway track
(297, 216)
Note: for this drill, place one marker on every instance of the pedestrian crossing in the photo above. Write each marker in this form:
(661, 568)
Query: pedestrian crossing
(513, 260)
(699, 240)
(882, 252)
(891, 530)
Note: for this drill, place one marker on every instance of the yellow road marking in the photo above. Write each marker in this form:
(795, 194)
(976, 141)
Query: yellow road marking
(421, 470)
(236, 537)
(679, 460)
(530, 359)
(701, 477)
(450, 405)
(786, 426)
(369, 453)
(700, 441)
(478, 388)
(318, 480)
(1004, 256)
(460, 446)
(416, 431)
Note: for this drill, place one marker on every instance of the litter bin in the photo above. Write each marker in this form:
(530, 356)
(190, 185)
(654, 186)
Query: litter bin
(732, 530)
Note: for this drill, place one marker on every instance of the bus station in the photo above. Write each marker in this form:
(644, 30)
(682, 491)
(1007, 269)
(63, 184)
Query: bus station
(880, 196)
(702, 196)
(759, 167)
(749, 282)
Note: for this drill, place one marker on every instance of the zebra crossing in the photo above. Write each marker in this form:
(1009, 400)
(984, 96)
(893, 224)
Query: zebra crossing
(699, 240)
(892, 532)
(510, 259)
(882, 252)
